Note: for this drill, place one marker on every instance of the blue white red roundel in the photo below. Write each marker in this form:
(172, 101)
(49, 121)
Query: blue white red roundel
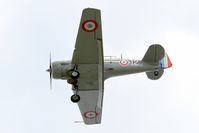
(89, 25)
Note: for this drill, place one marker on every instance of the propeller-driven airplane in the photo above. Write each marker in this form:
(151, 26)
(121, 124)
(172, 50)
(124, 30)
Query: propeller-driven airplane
(88, 69)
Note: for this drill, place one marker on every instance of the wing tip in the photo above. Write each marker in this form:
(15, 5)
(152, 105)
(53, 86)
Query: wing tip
(93, 9)
(96, 123)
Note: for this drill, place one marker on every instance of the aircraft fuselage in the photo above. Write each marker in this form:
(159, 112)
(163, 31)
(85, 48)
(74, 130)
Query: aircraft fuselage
(112, 68)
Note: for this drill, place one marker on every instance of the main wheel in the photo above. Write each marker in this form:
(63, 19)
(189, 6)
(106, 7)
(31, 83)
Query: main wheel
(75, 98)
(74, 74)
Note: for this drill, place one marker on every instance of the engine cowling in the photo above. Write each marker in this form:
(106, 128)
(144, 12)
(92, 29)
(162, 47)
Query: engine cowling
(154, 75)
(59, 69)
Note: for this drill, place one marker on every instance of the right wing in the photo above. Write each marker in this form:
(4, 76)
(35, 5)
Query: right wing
(90, 105)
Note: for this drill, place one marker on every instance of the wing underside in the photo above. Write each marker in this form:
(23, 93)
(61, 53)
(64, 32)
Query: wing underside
(87, 47)
(88, 56)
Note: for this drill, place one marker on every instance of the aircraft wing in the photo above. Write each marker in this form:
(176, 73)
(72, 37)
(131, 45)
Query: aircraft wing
(90, 106)
(88, 45)
(88, 56)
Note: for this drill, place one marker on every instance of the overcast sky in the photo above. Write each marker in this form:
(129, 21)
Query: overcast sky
(30, 29)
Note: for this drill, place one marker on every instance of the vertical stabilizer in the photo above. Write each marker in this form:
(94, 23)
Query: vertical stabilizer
(157, 56)
(154, 54)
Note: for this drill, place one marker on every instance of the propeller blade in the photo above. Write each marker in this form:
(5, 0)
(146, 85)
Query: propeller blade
(50, 72)
(50, 81)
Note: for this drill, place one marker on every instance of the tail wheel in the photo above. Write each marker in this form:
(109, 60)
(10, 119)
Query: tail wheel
(75, 98)
(156, 73)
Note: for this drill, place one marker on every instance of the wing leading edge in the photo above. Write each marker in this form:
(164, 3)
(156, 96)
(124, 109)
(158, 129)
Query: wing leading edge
(88, 56)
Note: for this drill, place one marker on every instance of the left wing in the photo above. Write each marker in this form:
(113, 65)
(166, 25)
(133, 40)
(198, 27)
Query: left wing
(88, 57)
(88, 47)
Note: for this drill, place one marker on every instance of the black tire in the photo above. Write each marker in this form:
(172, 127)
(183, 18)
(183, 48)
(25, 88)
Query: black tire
(156, 73)
(75, 98)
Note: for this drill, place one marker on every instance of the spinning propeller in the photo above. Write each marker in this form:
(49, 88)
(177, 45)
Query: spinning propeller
(50, 72)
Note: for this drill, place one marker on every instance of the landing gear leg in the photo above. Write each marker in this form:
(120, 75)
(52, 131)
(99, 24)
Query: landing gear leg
(74, 74)
(72, 81)
(75, 98)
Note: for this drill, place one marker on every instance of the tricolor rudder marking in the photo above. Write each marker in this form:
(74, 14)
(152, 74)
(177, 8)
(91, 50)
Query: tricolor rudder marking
(165, 62)
(89, 25)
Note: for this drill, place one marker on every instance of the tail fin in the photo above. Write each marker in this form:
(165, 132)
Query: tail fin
(165, 62)
(154, 54)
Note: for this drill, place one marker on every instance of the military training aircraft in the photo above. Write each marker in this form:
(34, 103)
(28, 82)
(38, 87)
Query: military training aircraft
(88, 69)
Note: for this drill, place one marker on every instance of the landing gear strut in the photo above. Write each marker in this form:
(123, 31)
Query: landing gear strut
(72, 81)
(74, 74)
(75, 98)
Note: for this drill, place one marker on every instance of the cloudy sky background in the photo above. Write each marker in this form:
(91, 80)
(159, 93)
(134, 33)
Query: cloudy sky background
(29, 30)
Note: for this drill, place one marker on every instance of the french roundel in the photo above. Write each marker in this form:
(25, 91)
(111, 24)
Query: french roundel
(90, 114)
(89, 25)
(124, 62)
